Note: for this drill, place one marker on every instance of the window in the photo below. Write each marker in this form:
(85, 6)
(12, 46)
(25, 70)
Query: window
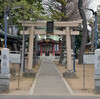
(38, 47)
(56, 47)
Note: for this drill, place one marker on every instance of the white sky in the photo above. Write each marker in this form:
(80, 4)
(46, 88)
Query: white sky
(94, 4)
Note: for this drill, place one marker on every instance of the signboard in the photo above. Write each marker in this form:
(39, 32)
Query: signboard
(50, 27)
(14, 58)
(89, 59)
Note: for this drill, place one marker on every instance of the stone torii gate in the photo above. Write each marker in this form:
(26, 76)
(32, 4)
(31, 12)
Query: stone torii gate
(67, 32)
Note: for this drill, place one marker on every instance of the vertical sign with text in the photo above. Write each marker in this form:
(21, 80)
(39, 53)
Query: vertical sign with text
(4, 61)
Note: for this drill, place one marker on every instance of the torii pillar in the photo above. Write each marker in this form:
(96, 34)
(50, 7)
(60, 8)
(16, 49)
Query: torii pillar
(68, 49)
(31, 42)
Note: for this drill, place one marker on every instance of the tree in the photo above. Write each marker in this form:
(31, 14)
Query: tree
(98, 22)
(55, 9)
(64, 10)
(84, 34)
(98, 17)
(67, 11)
(31, 10)
(92, 25)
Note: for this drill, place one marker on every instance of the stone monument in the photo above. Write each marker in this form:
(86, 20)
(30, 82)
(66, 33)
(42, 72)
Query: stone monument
(97, 71)
(5, 75)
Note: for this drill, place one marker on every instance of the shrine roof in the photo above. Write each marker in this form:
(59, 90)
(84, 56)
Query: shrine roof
(9, 36)
(51, 37)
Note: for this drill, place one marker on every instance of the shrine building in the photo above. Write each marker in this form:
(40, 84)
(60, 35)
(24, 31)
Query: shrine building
(48, 45)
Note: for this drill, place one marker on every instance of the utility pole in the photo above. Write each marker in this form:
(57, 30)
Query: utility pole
(74, 56)
(6, 12)
(23, 46)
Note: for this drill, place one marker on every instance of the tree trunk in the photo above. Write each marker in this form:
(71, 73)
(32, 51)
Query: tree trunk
(84, 34)
(63, 9)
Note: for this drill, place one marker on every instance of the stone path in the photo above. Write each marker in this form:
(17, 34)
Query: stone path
(49, 81)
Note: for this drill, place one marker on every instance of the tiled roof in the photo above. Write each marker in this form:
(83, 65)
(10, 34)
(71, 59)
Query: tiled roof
(52, 37)
(2, 34)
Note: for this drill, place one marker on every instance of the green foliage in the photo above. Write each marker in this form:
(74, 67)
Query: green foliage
(1, 11)
(56, 14)
(62, 1)
(30, 10)
(57, 10)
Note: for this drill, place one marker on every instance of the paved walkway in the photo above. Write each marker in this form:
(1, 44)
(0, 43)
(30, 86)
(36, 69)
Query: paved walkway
(49, 81)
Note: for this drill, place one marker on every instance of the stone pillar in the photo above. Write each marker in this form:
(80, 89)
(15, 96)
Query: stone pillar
(31, 42)
(4, 76)
(97, 71)
(4, 61)
(69, 72)
(68, 48)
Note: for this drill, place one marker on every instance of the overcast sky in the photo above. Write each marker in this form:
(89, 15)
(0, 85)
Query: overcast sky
(94, 4)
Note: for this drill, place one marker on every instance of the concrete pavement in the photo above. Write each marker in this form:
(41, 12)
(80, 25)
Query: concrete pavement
(49, 80)
(48, 97)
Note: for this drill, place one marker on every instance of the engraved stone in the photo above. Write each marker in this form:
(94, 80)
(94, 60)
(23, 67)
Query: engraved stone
(97, 61)
(5, 61)
(97, 71)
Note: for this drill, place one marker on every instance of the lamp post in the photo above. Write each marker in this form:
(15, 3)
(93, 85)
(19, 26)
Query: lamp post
(5, 29)
(23, 47)
(6, 12)
(23, 42)
(95, 14)
(74, 56)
